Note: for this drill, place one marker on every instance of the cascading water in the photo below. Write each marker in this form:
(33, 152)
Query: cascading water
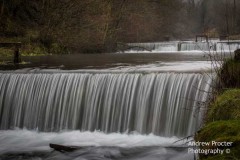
(194, 46)
(157, 46)
(173, 46)
(227, 46)
(167, 46)
(165, 104)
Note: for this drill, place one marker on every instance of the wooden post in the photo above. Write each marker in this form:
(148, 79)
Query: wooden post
(179, 46)
(16, 58)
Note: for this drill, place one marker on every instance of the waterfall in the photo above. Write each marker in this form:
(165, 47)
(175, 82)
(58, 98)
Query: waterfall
(157, 46)
(228, 46)
(161, 103)
(167, 46)
(173, 46)
(194, 46)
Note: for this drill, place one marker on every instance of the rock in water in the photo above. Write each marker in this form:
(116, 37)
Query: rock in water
(62, 148)
(237, 55)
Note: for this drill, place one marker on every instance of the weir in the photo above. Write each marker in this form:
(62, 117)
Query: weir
(173, 46)
(165, 104)
(157, 46)
(227, 45)
(194, 46)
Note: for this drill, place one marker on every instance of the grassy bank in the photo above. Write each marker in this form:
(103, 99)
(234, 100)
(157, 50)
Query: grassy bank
(223, 125)
(32, 45)
(221, 131)
(223, 116)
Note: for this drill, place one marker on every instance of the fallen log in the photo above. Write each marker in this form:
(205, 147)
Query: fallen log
(62, 148)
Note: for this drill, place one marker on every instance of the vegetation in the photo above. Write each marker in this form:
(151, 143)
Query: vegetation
(223, 125)
(230, 74)
(99, 25)
(223, 117)
(226, 106)
(221, 131)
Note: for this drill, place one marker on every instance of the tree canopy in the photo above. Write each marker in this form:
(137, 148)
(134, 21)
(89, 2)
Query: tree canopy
(98, 25)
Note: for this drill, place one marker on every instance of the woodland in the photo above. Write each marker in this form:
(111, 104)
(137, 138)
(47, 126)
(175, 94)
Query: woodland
(97, 26)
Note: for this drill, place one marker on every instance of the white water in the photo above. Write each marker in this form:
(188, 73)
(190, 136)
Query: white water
(157, 67)
(180, 66)
(157, 46)
(29, 141)
(94, 146)
(227, 46)
(194, 46)
(123, 113)
(164, 103)
(184, 46)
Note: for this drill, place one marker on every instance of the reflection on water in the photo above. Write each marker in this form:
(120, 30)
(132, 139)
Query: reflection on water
(86, 61)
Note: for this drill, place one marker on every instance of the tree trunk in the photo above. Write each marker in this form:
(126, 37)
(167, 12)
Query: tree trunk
(2, 9)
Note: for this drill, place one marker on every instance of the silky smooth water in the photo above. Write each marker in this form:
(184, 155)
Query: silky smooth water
(122, 107)
(185, 46)
(163, 103)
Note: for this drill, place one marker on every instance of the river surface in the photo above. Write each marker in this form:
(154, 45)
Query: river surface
(85, 61)
(120, 106)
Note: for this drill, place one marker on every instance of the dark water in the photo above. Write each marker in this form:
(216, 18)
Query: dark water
(83, 61)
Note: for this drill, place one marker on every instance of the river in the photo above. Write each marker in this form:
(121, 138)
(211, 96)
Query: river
(119, 106)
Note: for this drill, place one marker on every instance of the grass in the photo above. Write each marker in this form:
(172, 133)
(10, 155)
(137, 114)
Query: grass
(33, 44)
(4, 52)
(27, 50)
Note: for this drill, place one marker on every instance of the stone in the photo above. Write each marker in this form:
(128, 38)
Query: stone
(237, 55)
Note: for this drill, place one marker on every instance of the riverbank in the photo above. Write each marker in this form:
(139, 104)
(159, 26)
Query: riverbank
(223, 117)
(32, 45)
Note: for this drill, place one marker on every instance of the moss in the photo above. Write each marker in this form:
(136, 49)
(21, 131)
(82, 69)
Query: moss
(221, 131)
(225, 112)
(226, 106)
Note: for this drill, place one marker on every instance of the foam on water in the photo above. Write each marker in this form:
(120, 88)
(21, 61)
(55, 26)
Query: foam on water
(180, 66)
(27, 141)
(184, 46)
(177, 66)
